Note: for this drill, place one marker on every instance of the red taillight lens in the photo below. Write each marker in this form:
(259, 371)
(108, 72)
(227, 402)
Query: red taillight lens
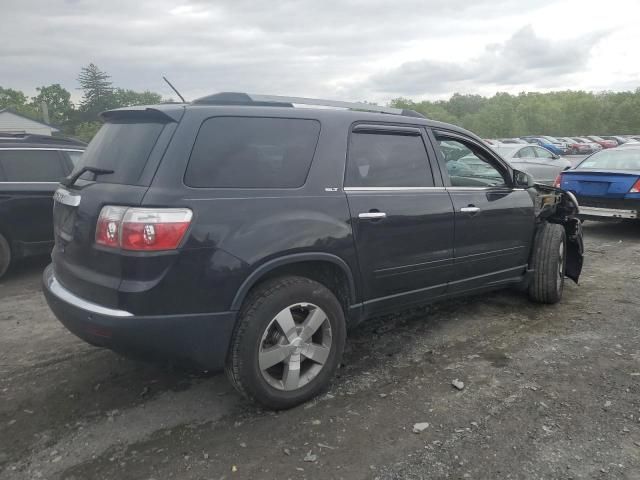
(558, 181)
(636, 187)
(142, 229)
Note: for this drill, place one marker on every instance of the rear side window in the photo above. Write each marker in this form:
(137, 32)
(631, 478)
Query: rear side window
(122, 146)
(248, 152)
(31, 165)
(387, 160)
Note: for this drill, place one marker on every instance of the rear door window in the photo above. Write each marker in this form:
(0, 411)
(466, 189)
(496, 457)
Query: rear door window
(379, 159)
(251, 152)
(122, 146)
(31, 165)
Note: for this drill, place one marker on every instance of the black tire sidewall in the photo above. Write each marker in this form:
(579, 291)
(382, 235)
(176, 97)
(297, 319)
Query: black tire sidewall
(260, 313)
(5, 255)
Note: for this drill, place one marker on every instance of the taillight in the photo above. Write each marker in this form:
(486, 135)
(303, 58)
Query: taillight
(636, 187)
(558, 181)
(142, 229)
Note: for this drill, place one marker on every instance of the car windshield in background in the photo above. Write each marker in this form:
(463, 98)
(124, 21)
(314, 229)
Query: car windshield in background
(122, 146)
(626, 159)
(506, 151)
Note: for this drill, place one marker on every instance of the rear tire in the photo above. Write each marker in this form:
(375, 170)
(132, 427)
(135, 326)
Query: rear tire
(288, 342)
(5, 255)
(548, 262)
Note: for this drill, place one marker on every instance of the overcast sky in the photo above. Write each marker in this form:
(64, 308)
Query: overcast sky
(372, 50)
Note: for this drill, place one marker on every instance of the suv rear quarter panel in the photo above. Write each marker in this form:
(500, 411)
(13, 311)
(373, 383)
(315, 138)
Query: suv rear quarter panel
(235, 231)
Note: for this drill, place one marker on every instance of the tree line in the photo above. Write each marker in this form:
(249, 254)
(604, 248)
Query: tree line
(80, 121)
(564, 113)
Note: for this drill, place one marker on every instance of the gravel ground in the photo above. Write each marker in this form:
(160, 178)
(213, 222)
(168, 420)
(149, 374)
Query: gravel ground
(549, 392)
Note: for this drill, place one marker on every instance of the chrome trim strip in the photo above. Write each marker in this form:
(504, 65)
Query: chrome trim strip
(66, 198)
(39, 148)
(395, 189)
(28, 183)
(609, 212)
(66, 296)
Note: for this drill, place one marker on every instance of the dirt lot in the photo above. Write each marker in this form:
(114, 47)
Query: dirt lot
(549, 392)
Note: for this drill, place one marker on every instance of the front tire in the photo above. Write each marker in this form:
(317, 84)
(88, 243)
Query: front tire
(5, 255)
(288, 342)
(548, 262)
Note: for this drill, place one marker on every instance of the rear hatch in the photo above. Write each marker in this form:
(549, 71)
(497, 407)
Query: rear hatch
(130, 146)
(599, 183)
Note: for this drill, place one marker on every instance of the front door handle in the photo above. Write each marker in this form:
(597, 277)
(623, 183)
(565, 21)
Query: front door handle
(372, 215)
(470, 209)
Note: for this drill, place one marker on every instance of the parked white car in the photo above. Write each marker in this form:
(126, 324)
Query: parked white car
(543, 165)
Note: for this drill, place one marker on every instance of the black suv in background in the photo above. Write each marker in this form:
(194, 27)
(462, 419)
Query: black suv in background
(30, 168)
(243, 232)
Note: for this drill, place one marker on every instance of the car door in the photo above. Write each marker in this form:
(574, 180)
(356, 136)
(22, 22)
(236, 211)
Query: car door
(402, 216)
(494, 221)
(30, 178)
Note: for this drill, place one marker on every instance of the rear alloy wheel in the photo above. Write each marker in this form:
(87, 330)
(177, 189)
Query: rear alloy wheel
(288, 342)
(5, 255)
(548, 262)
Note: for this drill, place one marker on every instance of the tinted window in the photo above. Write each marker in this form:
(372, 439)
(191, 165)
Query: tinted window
(242, 152)
(468, 166)
(122, 146)
(31, 165)
(387, 160)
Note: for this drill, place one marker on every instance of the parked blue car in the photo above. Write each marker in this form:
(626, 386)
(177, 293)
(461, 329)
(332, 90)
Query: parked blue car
(606, 184)
(545, 144)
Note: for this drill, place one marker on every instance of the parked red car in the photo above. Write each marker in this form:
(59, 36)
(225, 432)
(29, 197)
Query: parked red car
(603, 142)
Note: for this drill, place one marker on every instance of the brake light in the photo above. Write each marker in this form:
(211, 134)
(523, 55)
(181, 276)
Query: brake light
(142, 229)
(558, 181)
(636, 187)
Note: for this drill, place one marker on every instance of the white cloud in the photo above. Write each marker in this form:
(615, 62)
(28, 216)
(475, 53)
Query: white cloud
(351, 49)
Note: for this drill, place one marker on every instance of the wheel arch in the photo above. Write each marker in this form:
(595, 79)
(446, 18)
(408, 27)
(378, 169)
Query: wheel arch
(300, 264)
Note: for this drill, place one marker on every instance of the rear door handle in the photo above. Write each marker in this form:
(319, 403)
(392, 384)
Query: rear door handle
(470, 209)
(372, 215)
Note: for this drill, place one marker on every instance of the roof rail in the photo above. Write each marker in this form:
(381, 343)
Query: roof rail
(237, 98)
(17, 137)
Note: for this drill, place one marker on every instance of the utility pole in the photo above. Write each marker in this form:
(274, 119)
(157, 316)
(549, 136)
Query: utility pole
(45, 112)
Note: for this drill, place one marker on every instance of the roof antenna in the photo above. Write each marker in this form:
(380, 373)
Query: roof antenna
(174, 89)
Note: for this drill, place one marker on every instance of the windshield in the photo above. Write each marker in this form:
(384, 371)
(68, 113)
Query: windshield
(612, 160)
(505, 151)
(122, 146)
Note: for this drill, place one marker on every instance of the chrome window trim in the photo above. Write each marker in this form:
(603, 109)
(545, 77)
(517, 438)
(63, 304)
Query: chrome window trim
(62, 293)
(66, 198)
(394, 189)
(39, 148)
(28, 183)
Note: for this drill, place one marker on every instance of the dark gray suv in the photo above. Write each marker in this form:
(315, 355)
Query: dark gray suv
(246, 233)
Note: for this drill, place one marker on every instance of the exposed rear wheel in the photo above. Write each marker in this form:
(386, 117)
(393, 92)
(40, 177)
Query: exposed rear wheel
(288, 342)
(5, 255)
(549, 263)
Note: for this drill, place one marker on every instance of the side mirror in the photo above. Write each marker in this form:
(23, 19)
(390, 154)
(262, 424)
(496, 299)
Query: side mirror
(522, 179)
(555, 156)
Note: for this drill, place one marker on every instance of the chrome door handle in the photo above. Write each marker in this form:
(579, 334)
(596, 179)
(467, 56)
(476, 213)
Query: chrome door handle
(470, 209)
(372, 215)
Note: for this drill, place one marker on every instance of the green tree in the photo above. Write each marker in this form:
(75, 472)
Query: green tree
(125, 98)
(17, 101)
(58, 102)
(86, 130)
(97, 90)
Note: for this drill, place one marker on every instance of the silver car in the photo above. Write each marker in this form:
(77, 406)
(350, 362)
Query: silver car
(539, 162)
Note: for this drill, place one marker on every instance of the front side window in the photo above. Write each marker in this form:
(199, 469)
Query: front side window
(543, 153)
(252, 152)
(31, 165)
(378, 159)
(526, 152)
(468, 165)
